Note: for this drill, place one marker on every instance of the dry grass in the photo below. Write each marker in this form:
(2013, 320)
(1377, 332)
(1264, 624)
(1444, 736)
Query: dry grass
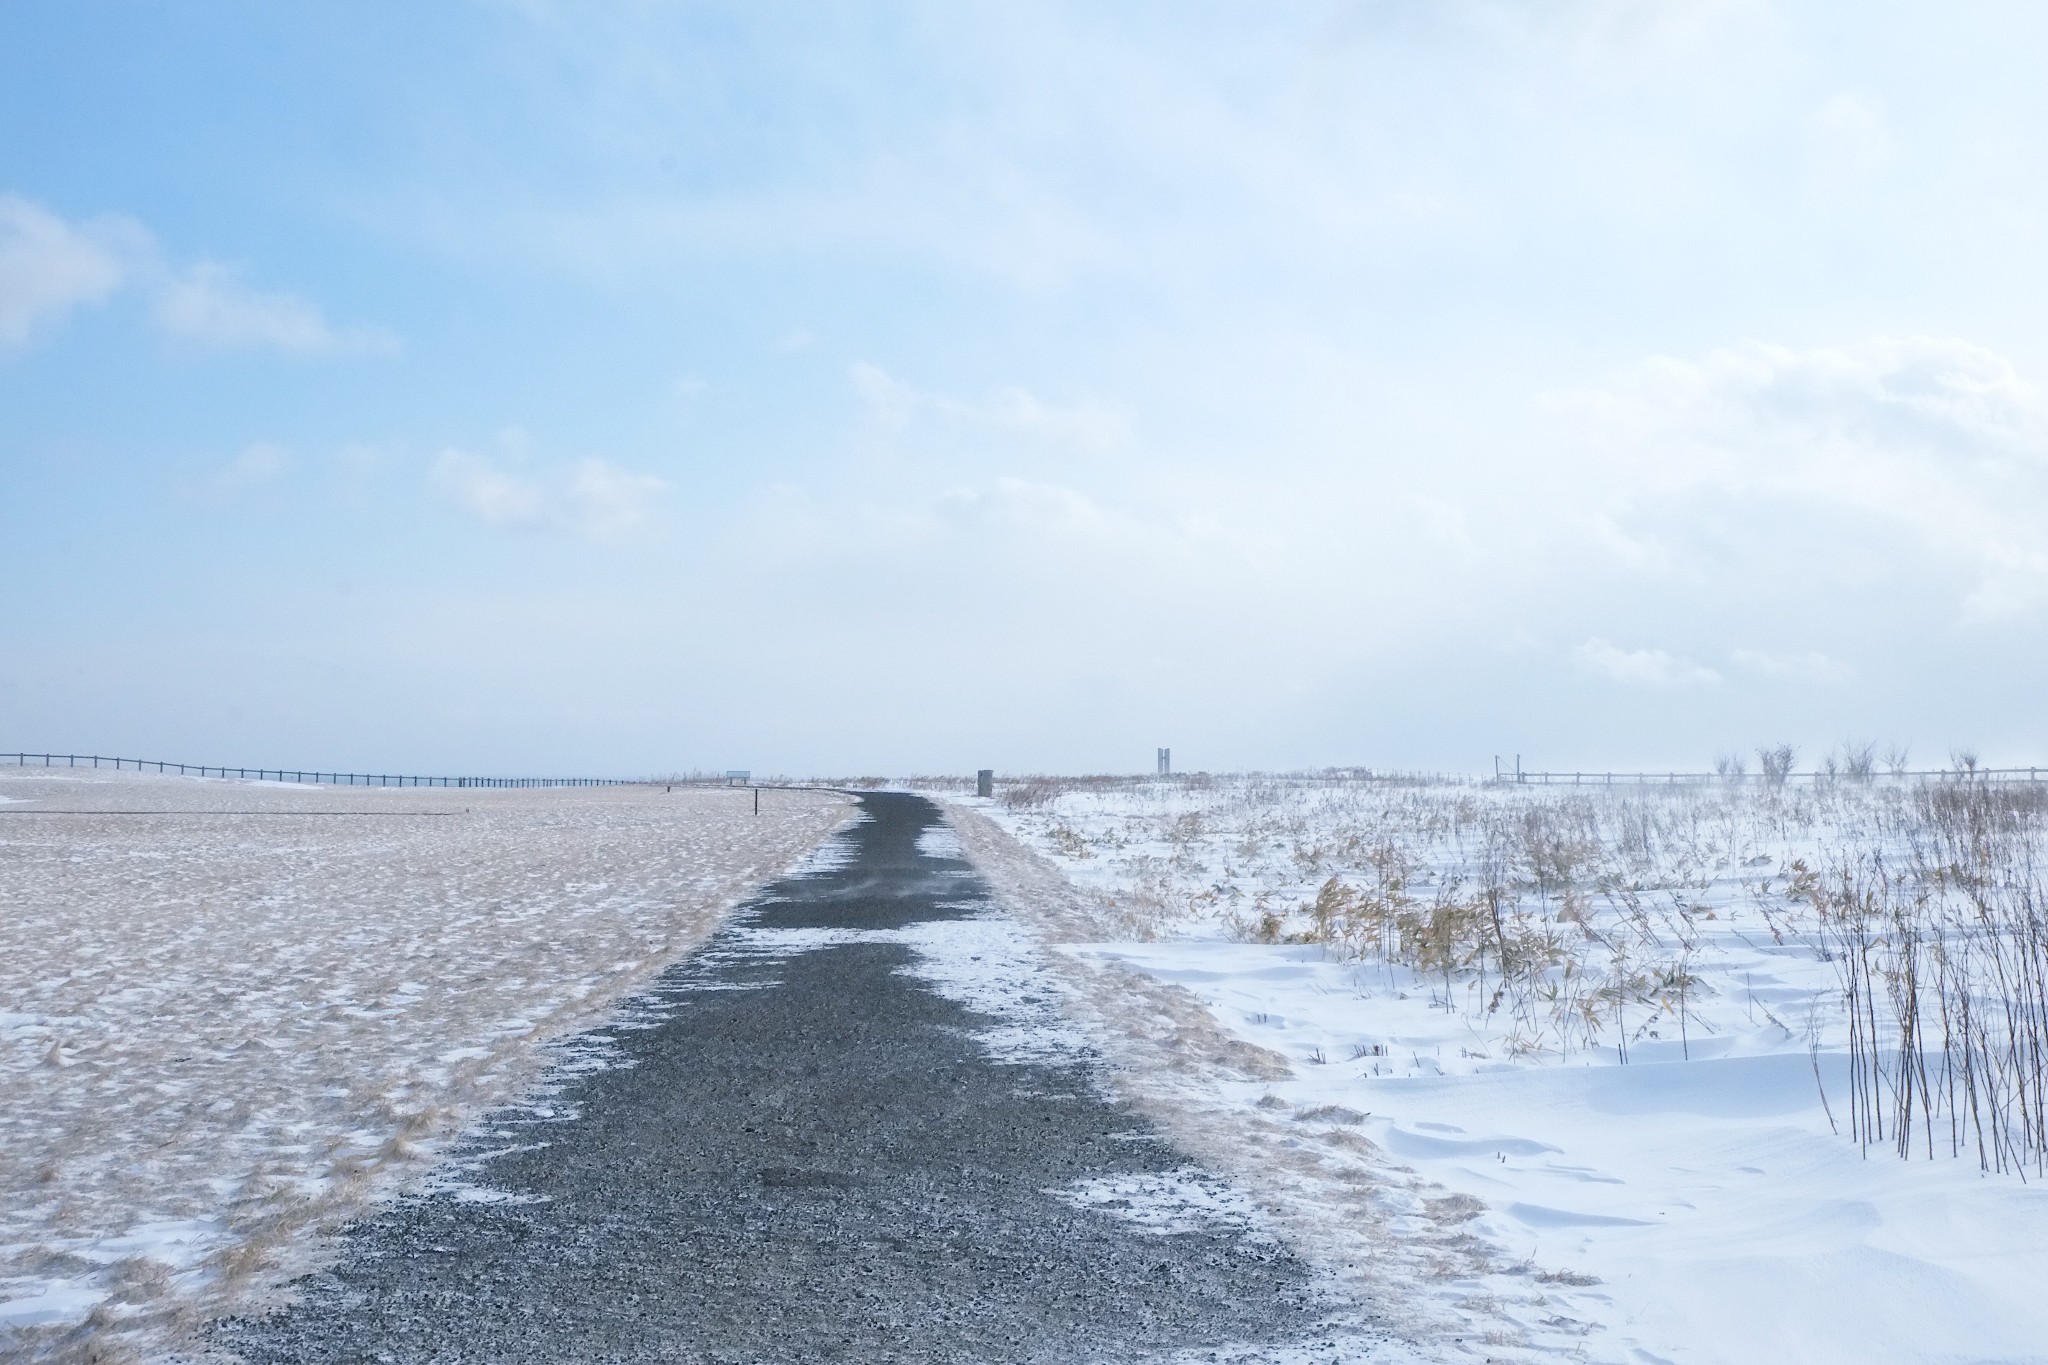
(1940, 939)
(1561, 920)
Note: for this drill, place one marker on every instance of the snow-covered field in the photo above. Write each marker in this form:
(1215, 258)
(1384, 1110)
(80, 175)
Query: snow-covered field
(1617, 1148)
(233, 1013)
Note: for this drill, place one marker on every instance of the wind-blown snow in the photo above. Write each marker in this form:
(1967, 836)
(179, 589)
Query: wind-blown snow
(939, 841)
(230, 1019)
(1163, 1203)
(984, 961)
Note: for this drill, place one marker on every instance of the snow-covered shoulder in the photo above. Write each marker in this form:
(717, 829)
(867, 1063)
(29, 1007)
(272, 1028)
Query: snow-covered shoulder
(1607, 1033)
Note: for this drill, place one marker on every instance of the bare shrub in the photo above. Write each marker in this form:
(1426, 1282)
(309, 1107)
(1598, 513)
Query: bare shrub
(1774, 763)
(1859, 760)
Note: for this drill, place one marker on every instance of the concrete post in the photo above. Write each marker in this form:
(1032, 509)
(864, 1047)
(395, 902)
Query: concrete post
(985, 782)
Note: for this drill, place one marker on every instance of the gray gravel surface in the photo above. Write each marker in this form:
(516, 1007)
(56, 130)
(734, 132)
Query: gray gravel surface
(801, 1157)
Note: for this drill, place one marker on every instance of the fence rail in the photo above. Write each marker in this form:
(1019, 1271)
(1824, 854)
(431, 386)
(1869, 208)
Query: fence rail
(1513, 777)
(313, 778)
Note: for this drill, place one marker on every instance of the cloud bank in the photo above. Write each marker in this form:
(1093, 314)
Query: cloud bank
(592, 498)
(50, 266)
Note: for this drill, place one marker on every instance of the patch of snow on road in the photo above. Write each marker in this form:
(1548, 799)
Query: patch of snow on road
(1167, 1203)
(993, 966)
(984, 961)
(940, 841)
(839, 851)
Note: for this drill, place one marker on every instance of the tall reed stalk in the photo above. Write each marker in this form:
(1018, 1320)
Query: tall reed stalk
(1943, 965)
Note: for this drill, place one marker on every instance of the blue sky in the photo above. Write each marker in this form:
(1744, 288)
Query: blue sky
(523, 387)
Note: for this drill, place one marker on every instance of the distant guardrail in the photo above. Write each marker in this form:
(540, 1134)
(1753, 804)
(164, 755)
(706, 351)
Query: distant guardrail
(324, 778)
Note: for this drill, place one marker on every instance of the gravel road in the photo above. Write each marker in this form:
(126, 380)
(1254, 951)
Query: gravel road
(807, 1148)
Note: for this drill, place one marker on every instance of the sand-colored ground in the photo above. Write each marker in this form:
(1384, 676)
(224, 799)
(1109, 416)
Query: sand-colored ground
(235, 1013)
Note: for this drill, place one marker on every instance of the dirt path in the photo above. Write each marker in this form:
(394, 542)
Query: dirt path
(814, 1150)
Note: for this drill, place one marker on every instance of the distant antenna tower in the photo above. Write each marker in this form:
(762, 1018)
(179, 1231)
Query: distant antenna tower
(1165, 762)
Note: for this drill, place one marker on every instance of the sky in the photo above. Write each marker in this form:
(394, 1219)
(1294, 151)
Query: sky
(911, 388)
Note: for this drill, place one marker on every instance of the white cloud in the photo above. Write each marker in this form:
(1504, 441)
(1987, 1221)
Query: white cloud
(894, 405)
(592, 497)
(1649, 667)
(608, 502)
(1038, 510)
(49, 266)
(1812, 666)
(259, 463)
(891, 403)
(1940, 394)
(488, 493)
(1921, 454)
(207, 304)
(1086, 426)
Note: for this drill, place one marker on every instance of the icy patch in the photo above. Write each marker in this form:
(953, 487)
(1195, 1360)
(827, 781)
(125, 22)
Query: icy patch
(177, 1244)
(1170, 1203)
(31, 1302)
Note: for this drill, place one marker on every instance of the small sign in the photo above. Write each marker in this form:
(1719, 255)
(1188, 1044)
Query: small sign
(737, 775)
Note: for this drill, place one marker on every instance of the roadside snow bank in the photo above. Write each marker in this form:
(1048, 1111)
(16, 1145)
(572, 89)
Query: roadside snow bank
(1696, 1204)
(1699, 1211)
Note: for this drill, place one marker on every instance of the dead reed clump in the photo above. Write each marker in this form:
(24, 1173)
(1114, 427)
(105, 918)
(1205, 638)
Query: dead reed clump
(1942, 956)
(1031, 793)
(1557, 921)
